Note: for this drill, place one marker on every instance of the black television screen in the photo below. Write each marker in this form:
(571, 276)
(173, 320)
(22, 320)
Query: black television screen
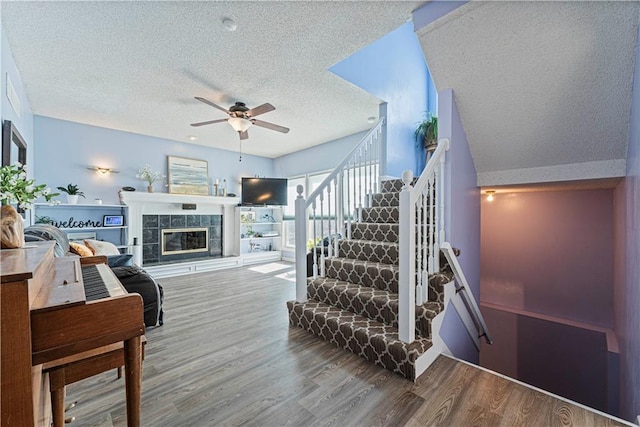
(264, 191)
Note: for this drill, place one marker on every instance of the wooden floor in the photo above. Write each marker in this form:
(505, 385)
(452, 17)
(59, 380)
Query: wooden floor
(226, 356)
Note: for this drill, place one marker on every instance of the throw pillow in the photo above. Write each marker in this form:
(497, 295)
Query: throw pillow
(80, 249)
(99, 247)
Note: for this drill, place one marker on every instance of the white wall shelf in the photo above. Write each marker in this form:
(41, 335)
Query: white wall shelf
(82, 212)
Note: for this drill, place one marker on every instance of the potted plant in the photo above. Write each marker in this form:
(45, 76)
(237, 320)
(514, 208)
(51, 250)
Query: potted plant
(149, 175)
(427, 133)
(15, 188)
(73, 193)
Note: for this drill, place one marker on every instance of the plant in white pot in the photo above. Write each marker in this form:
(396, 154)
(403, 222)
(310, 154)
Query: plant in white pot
(73, 193)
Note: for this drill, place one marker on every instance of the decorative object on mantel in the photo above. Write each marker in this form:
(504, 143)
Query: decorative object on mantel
(73, 193)
(147, 174)
(188, 176)
(16, 188)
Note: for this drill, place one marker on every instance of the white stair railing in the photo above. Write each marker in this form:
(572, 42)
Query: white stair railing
(421, 234)
(335, 204)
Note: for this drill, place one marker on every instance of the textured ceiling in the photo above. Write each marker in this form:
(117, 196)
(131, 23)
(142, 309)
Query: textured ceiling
(543, 88)
(136, 66)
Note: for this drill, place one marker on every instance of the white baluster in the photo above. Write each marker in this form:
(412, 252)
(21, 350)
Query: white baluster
(301, 221)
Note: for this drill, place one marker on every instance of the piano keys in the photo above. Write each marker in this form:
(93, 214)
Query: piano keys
(46, 317)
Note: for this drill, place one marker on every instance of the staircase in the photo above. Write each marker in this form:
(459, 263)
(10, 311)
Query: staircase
(381, 291)
(355, 305)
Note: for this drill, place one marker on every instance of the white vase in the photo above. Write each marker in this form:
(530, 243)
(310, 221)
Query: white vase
(72, 199)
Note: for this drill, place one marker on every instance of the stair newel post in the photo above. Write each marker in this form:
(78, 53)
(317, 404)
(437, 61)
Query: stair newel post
(339, 217)
(359, 210)
(340, 205)
(407, 262)
(330, 246)
(440, 202)
(349, 216)
(424, 270)
(322, 257)
(301, 244)
(315, 240)
(366, 174)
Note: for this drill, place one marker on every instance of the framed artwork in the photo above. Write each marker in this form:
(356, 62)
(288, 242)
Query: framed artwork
(188, 176)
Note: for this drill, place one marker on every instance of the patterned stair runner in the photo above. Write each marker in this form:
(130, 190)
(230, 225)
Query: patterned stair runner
(355, 305)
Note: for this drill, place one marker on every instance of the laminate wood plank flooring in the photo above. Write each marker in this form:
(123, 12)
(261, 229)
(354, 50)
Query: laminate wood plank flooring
(226, 356)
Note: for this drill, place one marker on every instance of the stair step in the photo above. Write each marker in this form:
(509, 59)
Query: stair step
(391, 186)
(367, 250)
(366, 273)
(373, 231)
(385, 199)
(372, 303)
(375, 341)
(381, 214)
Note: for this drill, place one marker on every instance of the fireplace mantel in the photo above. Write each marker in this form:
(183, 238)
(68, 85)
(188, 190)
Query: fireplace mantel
(141, 203)
(131, 198)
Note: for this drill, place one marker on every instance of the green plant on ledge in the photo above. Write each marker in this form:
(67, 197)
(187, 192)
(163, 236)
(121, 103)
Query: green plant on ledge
(427, 132)
(16, 188)
(72, 190)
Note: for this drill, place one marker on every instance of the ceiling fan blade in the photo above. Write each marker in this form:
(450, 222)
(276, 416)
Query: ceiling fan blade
(206, 101)
(244, 135)
(271, 126)
(210, 122)
(261, 109)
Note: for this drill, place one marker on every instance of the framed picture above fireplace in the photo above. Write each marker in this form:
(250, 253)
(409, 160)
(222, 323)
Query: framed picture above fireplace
(188, 176)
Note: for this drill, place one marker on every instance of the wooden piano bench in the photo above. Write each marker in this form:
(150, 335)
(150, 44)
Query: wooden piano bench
(87, 364)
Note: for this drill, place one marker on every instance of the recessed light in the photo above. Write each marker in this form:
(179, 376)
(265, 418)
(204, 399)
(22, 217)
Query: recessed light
(371, 119)
(229, 24)
(192, 137)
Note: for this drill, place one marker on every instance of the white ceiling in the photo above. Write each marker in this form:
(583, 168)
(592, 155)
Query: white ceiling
(543, 88)
(136, 66)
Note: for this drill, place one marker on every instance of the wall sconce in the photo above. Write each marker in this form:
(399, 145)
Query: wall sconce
(490, 194)
(102, 171)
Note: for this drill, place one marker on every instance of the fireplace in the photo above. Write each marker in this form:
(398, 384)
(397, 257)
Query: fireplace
(175, 238)
(184, 241)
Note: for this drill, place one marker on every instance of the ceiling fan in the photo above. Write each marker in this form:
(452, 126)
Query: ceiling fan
(241, 117)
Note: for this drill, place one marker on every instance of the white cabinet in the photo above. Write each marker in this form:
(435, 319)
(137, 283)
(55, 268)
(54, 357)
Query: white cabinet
(259, 233)
(80, 221)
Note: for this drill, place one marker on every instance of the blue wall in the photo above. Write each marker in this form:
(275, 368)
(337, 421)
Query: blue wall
(462, 218)
(393, 69)
(324, 157)
(65, 149)
(22, 120)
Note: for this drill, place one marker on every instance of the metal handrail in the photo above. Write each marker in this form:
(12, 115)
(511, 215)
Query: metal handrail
(463, 289)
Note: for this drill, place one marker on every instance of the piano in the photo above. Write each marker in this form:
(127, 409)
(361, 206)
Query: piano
(47, 322)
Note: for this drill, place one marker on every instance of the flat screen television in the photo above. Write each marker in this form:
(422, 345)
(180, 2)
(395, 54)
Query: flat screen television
(264, 191)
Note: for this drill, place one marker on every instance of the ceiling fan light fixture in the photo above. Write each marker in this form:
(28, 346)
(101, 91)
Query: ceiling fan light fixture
(239, 124)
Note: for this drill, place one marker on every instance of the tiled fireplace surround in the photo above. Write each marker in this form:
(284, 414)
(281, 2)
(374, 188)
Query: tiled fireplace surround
(153, 225)
(150, 212)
